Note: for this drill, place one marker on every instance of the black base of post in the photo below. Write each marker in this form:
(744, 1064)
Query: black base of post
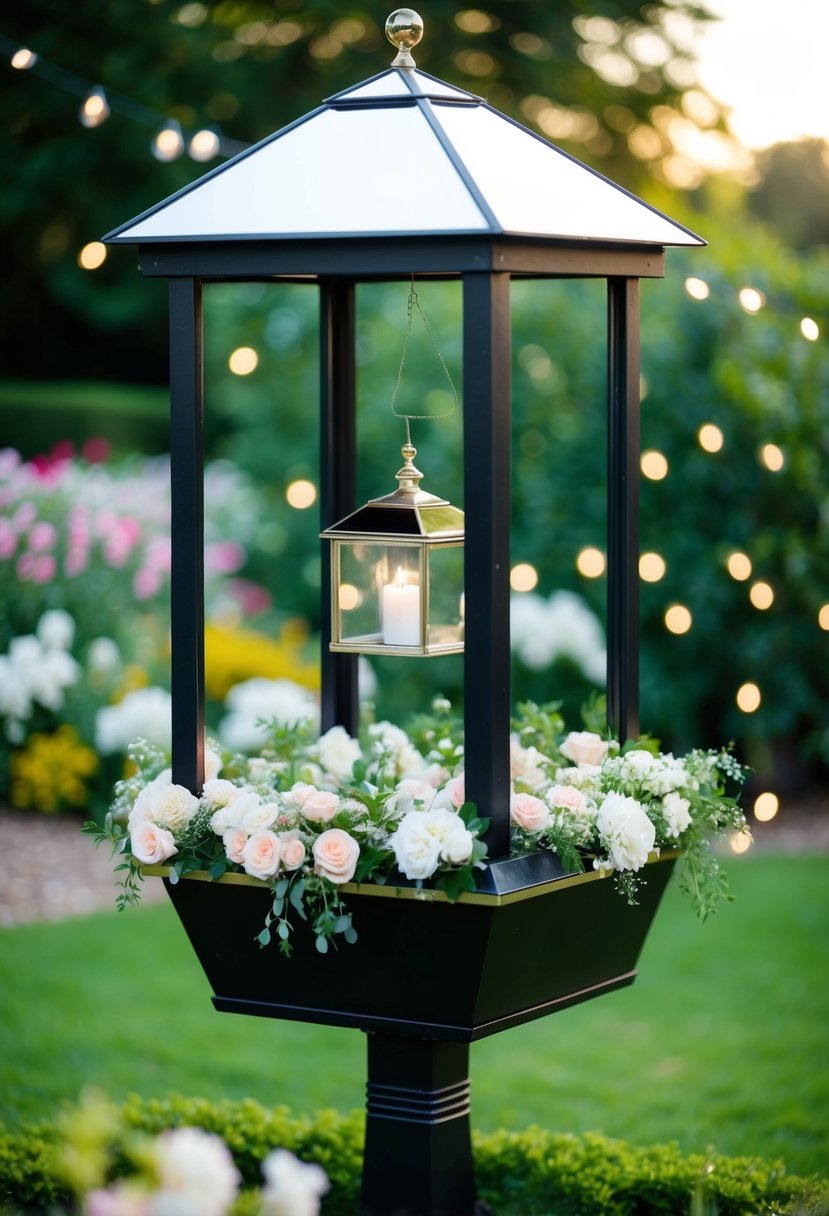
(418, 1153)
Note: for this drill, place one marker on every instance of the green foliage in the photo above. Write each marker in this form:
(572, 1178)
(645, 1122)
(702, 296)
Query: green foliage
(533, 1172)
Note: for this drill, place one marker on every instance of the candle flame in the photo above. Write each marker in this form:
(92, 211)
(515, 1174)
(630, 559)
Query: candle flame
(400, 579)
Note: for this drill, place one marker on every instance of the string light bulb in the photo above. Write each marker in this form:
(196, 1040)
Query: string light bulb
(95, 109)
(168, 143)
(204, 145)
(23, 58)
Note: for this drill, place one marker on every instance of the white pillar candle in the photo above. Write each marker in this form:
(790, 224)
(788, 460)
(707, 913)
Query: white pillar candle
(401, 612)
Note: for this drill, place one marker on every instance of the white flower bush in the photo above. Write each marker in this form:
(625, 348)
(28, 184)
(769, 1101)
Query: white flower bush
(310, 815)
(562, 626)
(37, 671)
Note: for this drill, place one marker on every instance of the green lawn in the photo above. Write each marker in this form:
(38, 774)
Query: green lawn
(722, 1041)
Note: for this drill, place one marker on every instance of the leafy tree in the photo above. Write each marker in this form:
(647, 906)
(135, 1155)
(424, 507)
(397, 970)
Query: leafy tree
(603, 78)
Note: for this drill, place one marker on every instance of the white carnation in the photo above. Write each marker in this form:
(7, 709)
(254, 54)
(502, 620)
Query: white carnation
(626, 832)
(174, 806)
(677, 812)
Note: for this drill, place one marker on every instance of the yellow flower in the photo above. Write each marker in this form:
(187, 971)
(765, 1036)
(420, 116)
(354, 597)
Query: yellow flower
(233, 655)
(51, 773)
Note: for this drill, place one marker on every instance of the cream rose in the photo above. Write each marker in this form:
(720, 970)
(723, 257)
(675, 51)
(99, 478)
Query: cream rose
(584, 747)
(219, 792)
(261, 853)
(234, 841)
(626, 831)
(338, 752)
(416, 845)
(335, 855)
(292, 850)
(529, 813)
(174, 806)
(456, 840)
(151, 844)
(232, 815)
(257, 817)
(320, 806)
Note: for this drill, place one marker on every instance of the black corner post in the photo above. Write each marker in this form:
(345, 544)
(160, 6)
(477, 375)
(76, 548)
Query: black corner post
(418, 1148)
(187, 531)
(623, 507)
(338, 456)
(487, 418)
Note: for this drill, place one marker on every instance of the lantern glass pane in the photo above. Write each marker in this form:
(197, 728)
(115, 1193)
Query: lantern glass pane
(446, 604)
(380, 594)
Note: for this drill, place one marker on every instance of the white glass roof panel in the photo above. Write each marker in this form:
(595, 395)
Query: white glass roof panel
(438, 88)
(532, 187)
(390, 84)
(342, 171)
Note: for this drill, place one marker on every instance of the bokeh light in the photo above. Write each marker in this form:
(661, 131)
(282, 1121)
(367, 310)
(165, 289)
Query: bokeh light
(92, 256)
(748, 697)
(654, 465)
(591, 563)
(761, 595)
(523, 577)
(678, 619)
(772, 457)
(697, 289)
(823, 617)
(710, 437)
(751, 300)
(301, 494)
(243, 361)
(766, 806)
(739, 842)
(809, 329)
(651, 567)
(350, 597)
(739, 566)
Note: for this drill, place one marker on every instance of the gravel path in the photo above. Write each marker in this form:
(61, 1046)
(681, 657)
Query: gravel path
(50, 871)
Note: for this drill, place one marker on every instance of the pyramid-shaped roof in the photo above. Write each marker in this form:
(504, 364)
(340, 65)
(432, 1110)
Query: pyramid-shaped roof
(403, 154)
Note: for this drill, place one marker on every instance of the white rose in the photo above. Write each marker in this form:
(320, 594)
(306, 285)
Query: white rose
(219, 792)
(677, 812)
(338, 752)
(456, 840)
(174, 806)
(637, 764)
(410, 791)
(257, 817)
(292, 1188)
(626, 832)
(232, 814)
(56, 629)
(566, 796)
(261, 854)
(151, 844)
(212, 764)
(197, 1176)
(416, 845)
(584, 747)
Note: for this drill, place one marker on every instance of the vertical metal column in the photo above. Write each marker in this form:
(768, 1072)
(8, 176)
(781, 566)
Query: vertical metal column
(187, 531)
(623, 507)
(338, 453)
(487, 411)
(418, 1151)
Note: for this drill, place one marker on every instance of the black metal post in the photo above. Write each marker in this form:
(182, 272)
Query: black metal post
(338, 453)
(187, 531)
(487, 410)
(418, 1153)
(623, 507)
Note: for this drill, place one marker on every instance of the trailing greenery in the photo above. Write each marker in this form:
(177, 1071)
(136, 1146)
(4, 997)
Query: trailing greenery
(533, 1172)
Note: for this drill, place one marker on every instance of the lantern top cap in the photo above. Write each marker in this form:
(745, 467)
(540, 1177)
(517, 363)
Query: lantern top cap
(404, 29)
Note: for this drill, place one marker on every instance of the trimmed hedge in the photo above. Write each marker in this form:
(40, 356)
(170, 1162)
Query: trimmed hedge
(528, 1173)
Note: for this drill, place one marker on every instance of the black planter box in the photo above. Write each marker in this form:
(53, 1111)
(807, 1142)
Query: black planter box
(423, 966)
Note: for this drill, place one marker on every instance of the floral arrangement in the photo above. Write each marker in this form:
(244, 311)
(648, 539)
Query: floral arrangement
(310, 814)
(184, 1171)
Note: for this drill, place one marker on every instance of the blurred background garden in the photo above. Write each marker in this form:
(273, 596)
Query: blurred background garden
(108, 108)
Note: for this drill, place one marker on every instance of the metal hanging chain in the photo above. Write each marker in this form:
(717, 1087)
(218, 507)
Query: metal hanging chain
(414, 303)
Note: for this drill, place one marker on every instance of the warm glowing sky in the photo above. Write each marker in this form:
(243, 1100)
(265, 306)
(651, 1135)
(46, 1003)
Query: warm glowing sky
(767, 60)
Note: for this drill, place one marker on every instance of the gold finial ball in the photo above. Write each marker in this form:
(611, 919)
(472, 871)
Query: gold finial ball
(404, 28)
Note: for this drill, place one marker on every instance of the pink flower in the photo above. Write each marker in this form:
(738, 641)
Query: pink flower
(250, 597)
(76, 562)
(25, 566)
(293, 851)
(96, 450)
(335, 855)
(529, 813)
(224, 557)
(44, 567)
(42, 536)
(456, 790)
(584, 747)
(260, 855)
(8, 539)
(151, 844)
(234, 841)
(566, 796)
(320, 806)
(146, 583)
(24, 516)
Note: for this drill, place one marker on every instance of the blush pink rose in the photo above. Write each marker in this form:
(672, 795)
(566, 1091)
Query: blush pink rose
(335, 855)
(151, 844)
(584, 747)
(234, 840)
(261, 854)
(566, 796)
(529, 813)
(293, 851)
(320, 806)
(455, 789)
